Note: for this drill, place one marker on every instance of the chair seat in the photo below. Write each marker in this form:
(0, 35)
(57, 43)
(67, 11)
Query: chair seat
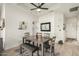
(46, 44)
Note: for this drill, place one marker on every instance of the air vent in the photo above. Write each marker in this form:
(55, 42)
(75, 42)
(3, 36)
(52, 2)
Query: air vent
(74, 9)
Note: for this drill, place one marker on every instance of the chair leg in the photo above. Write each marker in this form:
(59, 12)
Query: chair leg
(53, 51)
(20, 49)
(46, 49)
(33, 43)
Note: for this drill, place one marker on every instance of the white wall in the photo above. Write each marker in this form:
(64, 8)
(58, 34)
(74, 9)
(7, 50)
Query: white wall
(14, 14)
(78, 28)
(44, 19)
(57, 21)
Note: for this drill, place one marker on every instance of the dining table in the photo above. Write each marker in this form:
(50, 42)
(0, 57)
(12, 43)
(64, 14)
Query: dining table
(35, 40)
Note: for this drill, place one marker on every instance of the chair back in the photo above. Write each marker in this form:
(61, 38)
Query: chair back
(26, 37)
(52, 41)
(27, 34)
(46, 35)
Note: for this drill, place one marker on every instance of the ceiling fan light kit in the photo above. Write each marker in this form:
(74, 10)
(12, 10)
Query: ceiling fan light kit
(38, 7)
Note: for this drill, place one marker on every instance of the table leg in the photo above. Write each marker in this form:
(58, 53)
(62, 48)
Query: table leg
(42, 49)
(50, 50)
(20, 49)
(33, 43)
(53, 51)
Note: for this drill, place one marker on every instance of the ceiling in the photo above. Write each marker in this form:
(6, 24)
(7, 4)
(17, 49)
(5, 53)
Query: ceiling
(53, 7)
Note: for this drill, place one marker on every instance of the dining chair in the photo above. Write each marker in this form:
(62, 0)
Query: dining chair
(50, 44)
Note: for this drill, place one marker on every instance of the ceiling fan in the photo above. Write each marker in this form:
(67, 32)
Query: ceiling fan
(38, 7)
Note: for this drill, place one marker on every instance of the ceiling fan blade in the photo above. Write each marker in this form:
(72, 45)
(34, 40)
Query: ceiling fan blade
(41, 4)
(44, 8)
(33, 9)
(34, 5)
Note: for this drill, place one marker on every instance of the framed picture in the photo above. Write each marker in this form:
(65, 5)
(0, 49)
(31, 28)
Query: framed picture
(45, 26)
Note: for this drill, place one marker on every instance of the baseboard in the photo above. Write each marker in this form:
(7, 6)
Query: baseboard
(70, 39)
